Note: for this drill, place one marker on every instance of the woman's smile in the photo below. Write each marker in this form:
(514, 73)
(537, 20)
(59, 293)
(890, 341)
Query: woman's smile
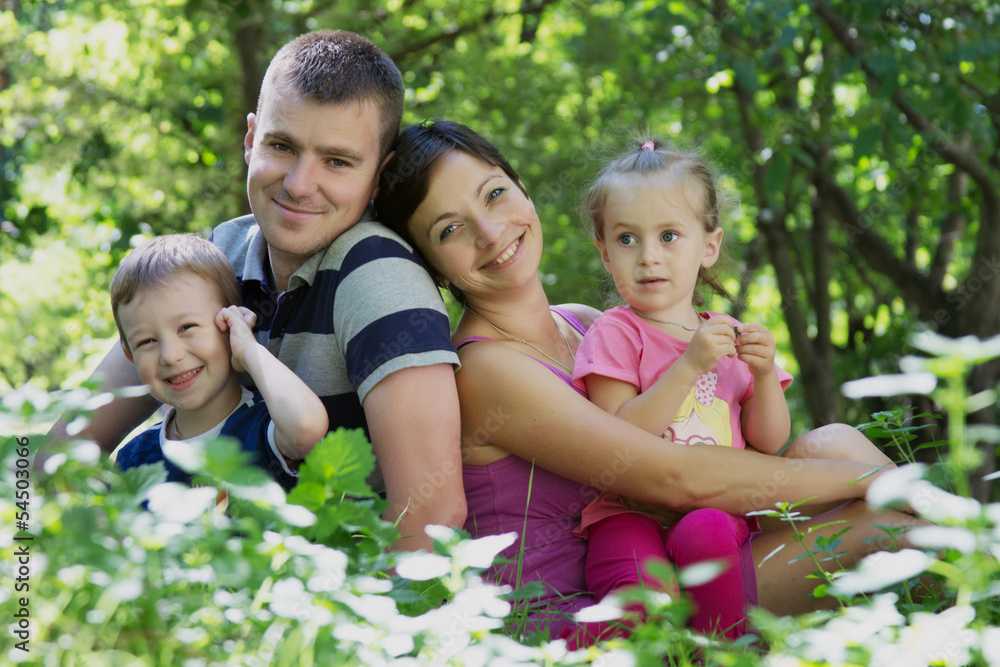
(477, 227)
(507, 254)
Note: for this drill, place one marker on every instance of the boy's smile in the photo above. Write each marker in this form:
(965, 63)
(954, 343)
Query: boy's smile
(180, 353)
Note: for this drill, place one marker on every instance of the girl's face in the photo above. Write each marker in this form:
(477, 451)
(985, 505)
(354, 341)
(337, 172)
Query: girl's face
(654, 245)
(476, 227)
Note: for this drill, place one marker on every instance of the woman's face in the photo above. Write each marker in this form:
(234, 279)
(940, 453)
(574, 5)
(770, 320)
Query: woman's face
(476, 227)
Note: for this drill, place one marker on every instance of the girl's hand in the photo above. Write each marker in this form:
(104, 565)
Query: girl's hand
(755, 347)
(239, 322)
(712, 340)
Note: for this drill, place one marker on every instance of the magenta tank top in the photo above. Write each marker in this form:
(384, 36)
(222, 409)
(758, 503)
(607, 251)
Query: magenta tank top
(499, 501)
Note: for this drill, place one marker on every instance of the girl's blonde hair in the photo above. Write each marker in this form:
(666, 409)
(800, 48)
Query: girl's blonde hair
(650, 160)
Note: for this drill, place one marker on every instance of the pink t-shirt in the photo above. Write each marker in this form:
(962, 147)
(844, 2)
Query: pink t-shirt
(623, 346)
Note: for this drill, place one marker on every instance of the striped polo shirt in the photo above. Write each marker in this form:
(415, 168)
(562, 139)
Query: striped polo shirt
(352, 314)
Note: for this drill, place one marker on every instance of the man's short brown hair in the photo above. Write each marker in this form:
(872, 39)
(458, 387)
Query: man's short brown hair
(337, 67)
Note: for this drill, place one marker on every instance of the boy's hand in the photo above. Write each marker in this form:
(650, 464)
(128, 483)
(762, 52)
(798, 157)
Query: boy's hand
(239, 322)
(712, 340)
(755, 347)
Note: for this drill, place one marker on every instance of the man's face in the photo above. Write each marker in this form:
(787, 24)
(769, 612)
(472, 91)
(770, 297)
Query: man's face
(313, 169)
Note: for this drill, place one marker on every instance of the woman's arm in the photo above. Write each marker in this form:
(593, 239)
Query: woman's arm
(528, 411)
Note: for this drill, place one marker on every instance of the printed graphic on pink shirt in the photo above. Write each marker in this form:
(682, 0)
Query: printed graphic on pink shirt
(703, 418)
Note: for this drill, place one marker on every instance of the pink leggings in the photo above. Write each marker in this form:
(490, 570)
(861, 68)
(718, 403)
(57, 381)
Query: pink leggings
(620, 545)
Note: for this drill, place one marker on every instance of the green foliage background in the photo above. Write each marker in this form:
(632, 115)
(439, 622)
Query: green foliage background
(858, 142)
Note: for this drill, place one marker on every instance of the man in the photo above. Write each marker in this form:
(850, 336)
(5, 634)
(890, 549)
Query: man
(340, 300)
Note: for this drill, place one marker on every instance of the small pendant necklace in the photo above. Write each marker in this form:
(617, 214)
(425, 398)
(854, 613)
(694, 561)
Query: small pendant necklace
(653, 319)
(532, 346)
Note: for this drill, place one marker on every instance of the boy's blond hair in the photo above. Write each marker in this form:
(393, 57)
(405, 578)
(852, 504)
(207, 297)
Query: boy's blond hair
(154, 263)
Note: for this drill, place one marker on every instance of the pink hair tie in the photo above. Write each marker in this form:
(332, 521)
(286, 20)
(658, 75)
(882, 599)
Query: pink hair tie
(648, 146)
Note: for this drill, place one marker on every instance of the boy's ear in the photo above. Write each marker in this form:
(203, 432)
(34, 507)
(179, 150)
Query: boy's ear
(713, 245)
(128, 353)
(604, 254)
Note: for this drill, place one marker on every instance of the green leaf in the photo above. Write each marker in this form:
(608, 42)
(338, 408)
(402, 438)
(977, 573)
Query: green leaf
(310, 495)
(137, 481)
(340, 464)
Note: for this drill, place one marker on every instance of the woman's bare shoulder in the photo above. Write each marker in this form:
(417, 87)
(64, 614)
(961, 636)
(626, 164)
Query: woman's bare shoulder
(586, 314)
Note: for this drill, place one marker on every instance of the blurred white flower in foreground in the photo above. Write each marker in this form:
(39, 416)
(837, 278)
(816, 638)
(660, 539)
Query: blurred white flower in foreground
(880, 570)
(931, 639)
(890, 385)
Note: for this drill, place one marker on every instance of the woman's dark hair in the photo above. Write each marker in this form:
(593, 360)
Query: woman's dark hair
(406, 178)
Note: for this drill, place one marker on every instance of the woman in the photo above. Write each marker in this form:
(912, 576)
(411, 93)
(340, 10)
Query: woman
(534, 449)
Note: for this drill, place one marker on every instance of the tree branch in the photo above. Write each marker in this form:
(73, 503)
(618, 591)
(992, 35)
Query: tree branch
(951, 151)
(951, 227)
(915, 286)
(457, 31)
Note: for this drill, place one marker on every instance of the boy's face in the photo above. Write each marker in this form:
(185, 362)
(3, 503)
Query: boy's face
(178, 350)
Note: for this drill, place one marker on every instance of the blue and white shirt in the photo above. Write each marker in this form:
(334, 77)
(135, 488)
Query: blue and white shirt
(352, 314)
(249, 423)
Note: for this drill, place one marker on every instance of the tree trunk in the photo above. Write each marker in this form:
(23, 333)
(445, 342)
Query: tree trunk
(247, 40)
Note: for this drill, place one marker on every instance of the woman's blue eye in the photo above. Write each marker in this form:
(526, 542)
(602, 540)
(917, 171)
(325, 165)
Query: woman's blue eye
(494, 193)
(669, 237)
(446, 232)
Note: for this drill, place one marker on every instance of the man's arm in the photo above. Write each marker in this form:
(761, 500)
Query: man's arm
(415, 428)
(111, 423)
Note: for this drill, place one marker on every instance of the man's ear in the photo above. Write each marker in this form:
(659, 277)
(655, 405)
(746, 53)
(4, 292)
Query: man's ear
(604, 254)
(248, 139)
(713, 246)
(378, 174)
(128, 353)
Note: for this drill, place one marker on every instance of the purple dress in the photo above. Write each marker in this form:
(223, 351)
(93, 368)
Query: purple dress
(512, 495)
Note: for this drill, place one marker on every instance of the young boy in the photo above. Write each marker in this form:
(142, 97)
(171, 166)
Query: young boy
(176, 301)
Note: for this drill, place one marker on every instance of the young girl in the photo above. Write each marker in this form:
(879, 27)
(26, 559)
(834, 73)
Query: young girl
(693, 377)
